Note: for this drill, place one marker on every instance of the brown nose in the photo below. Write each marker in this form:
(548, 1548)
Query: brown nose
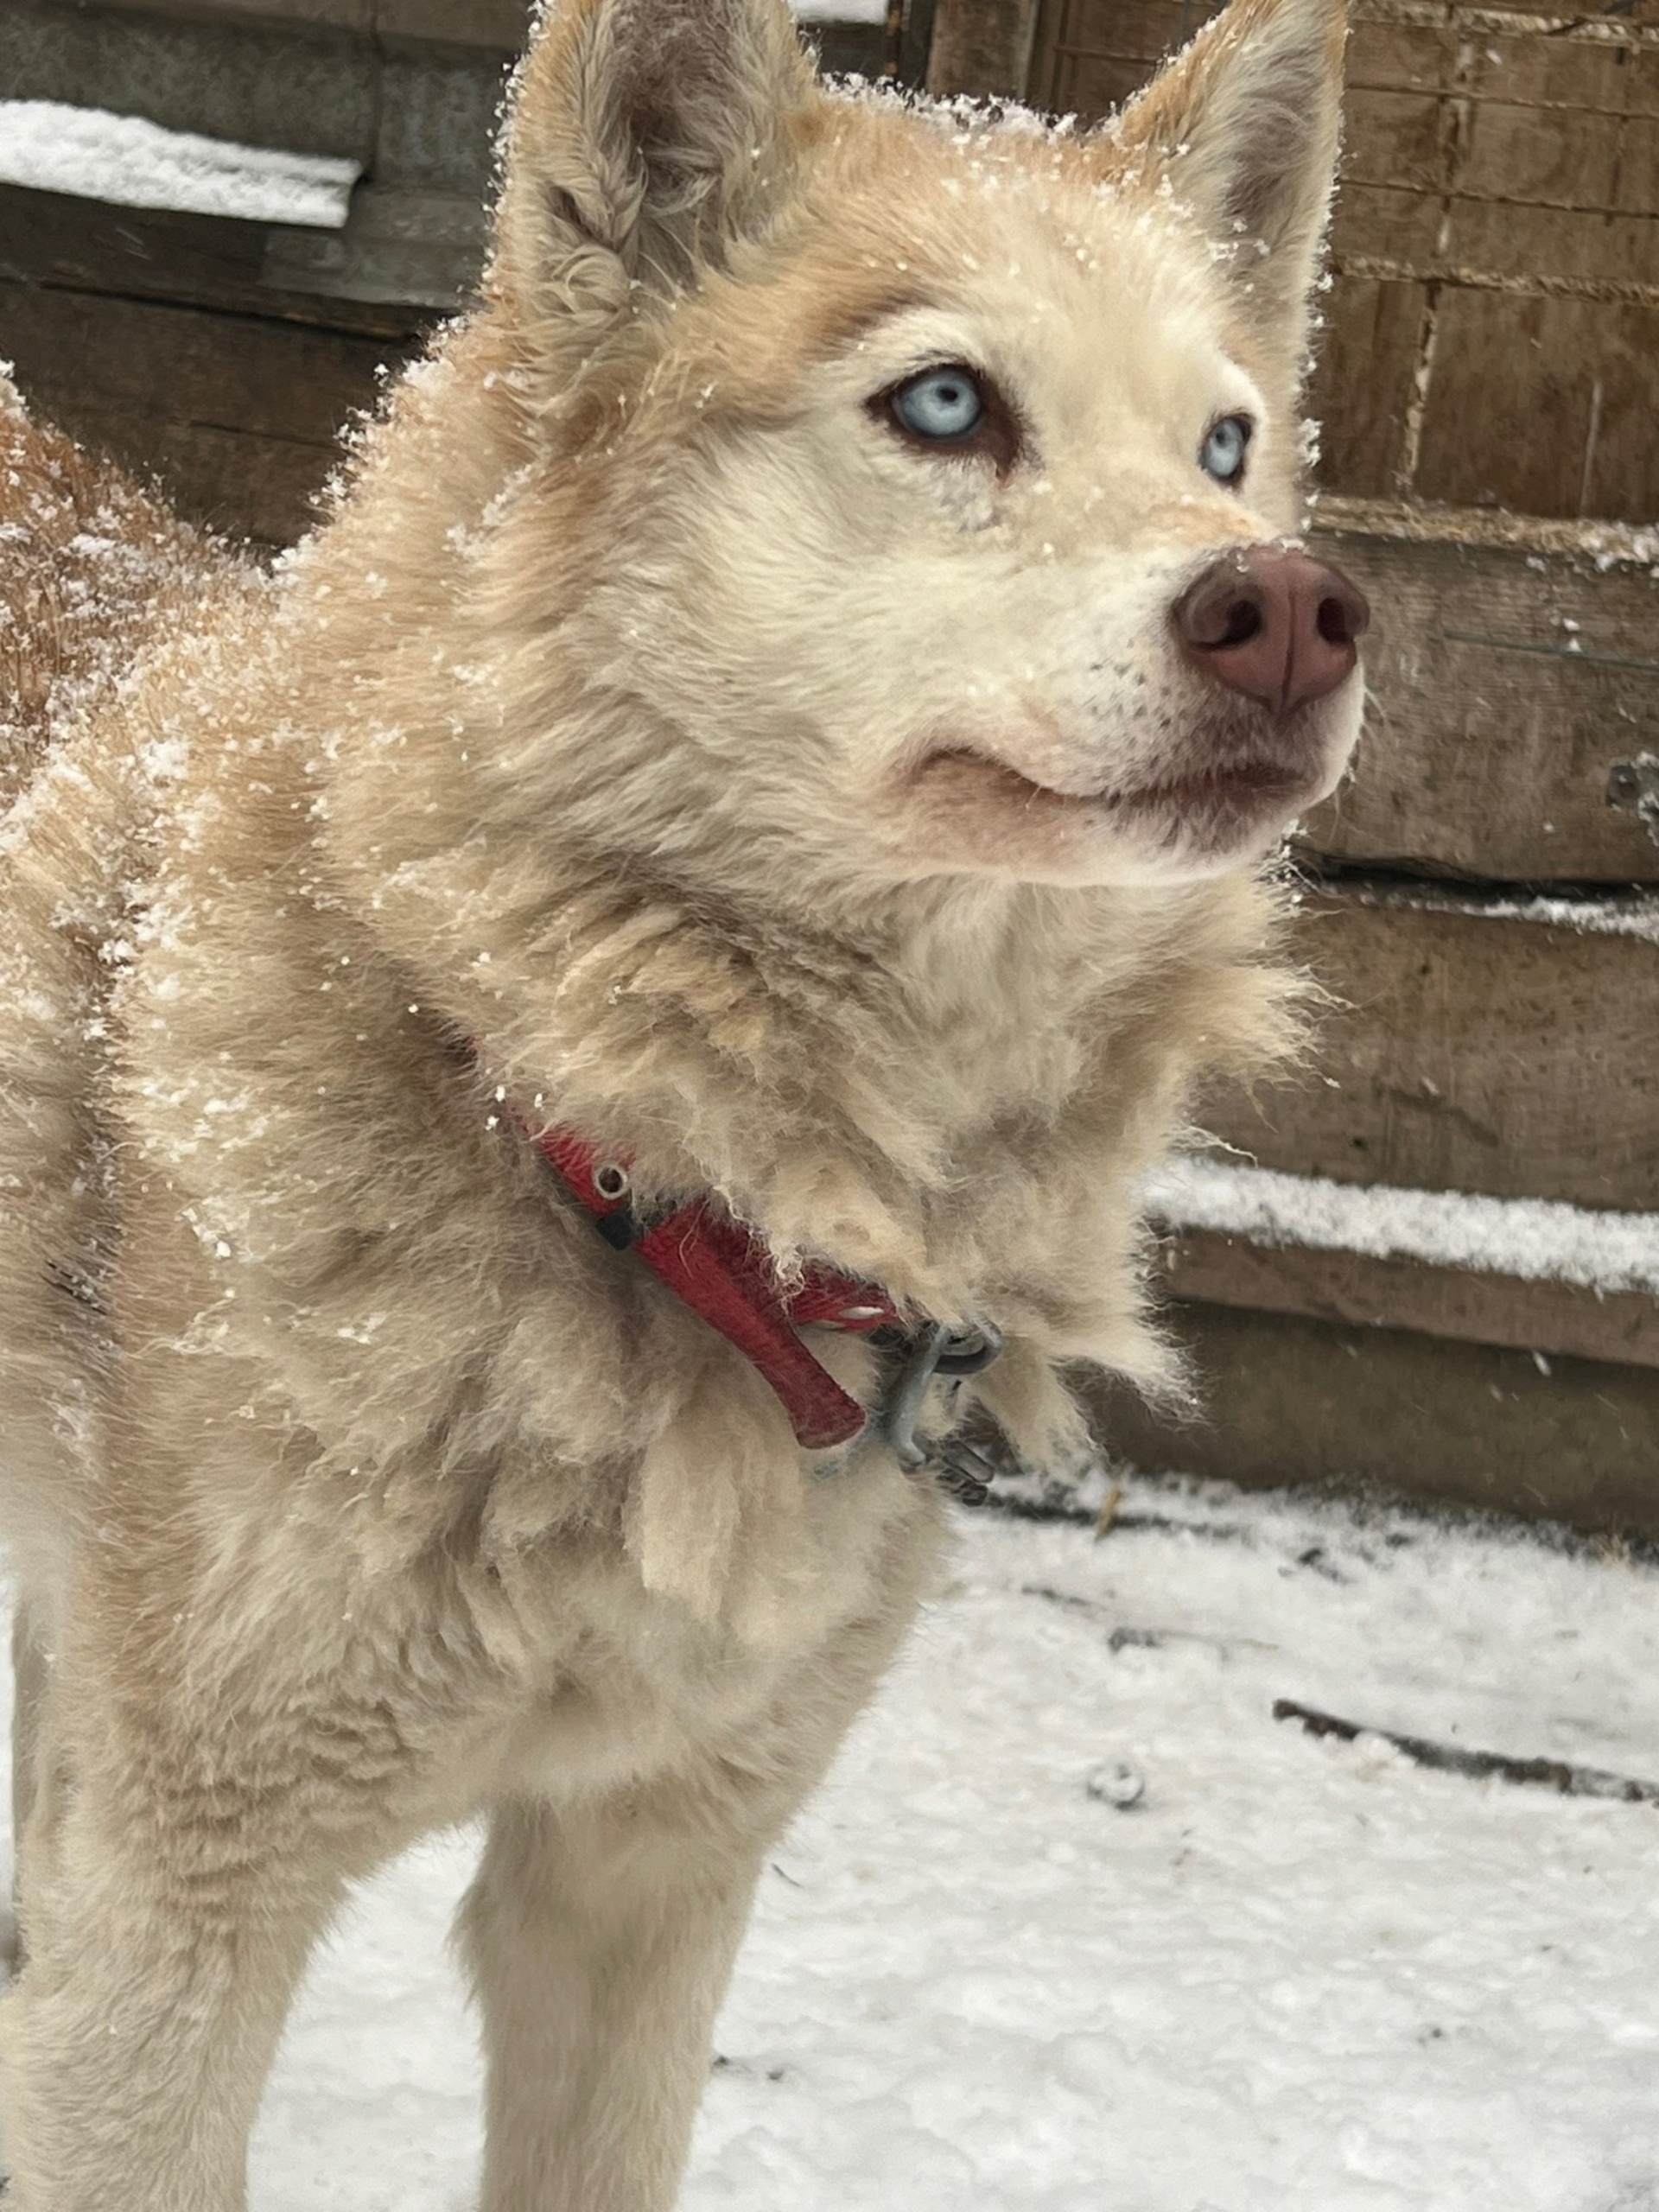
(1273, 624)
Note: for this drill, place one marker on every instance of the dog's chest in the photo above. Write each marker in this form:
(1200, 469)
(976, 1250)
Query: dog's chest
(631, 1689)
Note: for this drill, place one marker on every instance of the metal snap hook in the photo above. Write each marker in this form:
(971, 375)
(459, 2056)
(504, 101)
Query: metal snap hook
(940, 1349)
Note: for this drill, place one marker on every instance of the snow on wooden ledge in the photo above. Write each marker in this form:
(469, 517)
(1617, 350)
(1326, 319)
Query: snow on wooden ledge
(1534, 1240)
(93, 154)
(839, 11)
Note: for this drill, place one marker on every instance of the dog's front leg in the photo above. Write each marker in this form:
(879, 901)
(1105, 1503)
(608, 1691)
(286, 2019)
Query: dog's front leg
(30, 1675)
(164, 1939)
(601, 1943)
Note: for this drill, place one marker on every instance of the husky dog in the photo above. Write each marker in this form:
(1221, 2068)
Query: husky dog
(780, 732)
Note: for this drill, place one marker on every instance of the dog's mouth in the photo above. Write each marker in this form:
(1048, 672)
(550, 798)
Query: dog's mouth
(1245, 791)
(1243, 787)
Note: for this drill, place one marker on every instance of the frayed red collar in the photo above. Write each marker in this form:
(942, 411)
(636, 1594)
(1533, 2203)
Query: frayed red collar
(725, 1273)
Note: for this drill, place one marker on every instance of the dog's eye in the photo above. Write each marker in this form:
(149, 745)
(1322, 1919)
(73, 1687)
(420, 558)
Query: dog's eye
(957, 410)
(944, 406)
(1222, 455)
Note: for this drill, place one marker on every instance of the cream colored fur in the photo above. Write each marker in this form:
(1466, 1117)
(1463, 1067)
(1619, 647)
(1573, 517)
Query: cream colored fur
(653, 741)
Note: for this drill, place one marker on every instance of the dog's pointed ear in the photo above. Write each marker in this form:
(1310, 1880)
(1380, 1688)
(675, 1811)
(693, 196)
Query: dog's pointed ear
(645, 135)
(1244, 124)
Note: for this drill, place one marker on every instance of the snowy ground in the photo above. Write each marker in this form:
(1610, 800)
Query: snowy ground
(1298, 1976)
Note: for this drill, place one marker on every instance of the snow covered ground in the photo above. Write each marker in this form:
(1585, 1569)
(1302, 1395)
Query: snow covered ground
(1298, 1975)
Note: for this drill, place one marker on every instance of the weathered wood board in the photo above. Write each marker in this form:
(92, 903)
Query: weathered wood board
(1206, 1266)
(1289, 1400)
(311, 86)
(1509, 669)
(470, 22)
(1470, 1051)
(237, 418)
(982, 46)
(1494, 334)
(53, 240)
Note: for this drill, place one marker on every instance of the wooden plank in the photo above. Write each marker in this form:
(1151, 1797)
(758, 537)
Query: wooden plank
(1361, 390)
(236, 418)
(410, 255)
(1396, 138)
(1637, 187)
(436, 125)
(1134, 32)
(313, 89)
(1470, 1051)
(1386, 223)
(1356, 1288)
(1547, 71)
(916, 42)
(1506, 155)
(412, 107)
(501, 24)
(1553, 244)
(982, 49)
(1095, 84)
(1395, 55)
(850, 50)
(1505, 682)
(85, 245)
(334, 14)
(1289, 1400)
(1641, 81)
(1545, 404)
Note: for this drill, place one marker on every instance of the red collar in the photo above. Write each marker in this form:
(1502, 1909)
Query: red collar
(725, 1273)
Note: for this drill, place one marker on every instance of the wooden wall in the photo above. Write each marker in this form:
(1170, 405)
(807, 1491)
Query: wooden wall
(1481, 904)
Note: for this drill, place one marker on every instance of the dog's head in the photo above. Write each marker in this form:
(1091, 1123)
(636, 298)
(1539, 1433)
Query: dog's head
(919, 483)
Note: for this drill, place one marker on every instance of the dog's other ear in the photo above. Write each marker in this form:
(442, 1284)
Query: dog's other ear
(1244, 124)
(645, 135)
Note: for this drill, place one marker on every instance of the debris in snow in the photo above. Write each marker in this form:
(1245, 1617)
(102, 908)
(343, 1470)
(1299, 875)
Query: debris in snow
(1560, 1775)
(1124, 1638)
(1117, 1784)
(94, 154)
(1107, 1513)
(1536, 1240)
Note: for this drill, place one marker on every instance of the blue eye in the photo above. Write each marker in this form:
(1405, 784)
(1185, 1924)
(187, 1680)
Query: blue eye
(1222, 455)
(944, 406)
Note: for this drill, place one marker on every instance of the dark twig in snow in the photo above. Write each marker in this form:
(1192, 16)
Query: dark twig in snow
(1560, 1775)
(1147, 1639)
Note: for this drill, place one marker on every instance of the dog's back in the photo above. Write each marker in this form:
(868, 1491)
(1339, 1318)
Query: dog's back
(90, 567)
(93, 572)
